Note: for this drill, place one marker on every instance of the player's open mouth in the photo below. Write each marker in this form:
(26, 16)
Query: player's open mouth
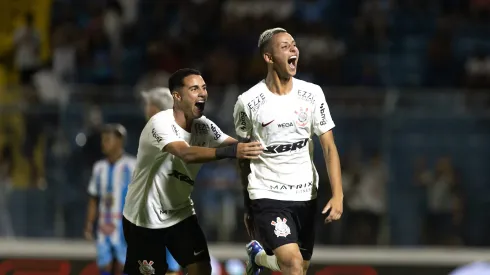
(292, 61)
(200, 105)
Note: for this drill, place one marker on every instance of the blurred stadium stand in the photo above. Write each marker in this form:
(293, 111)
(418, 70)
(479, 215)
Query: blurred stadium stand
(407, 83)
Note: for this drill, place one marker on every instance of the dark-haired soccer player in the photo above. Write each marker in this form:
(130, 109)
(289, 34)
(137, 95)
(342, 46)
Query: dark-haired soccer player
(283, 113)
(159, 212)
(107, 189)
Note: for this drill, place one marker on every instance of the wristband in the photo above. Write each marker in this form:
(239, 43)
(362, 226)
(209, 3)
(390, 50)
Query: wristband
(228, 152)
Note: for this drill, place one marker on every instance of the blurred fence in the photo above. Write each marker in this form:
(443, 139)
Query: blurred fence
(404, 126)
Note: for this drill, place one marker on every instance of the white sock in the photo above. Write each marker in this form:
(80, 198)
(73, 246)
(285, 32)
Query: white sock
(267, 261)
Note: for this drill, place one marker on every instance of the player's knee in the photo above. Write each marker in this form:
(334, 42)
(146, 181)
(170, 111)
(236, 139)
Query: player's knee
(289, 258)
(294, 264)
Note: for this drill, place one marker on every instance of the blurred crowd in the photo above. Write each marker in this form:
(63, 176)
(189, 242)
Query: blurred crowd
(415, 162)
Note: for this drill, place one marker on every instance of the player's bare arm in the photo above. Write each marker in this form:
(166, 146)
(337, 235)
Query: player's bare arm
(332, 161)
(196, 154)
(91, 215)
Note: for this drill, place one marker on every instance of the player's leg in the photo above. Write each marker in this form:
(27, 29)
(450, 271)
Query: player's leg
(277, 230)
(104, 257)
(306, 219)
(145, 252)
(120, 251)
(187, 243)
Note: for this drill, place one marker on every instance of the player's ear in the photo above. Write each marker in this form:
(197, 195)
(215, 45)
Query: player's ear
(268, 58)
(176, 95)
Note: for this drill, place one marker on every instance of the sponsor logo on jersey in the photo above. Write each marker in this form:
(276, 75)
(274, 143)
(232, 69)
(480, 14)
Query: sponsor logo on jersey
(255, 103)
(176, 174)
(298, 189)
(216, 133)
(281, 229)
(175, 130)
(201, 128)
(146, 267)
(243, 121)
(302, 117)
(285, 125)
(156, 136)
(306, 96)
(281, 148)
(322, 114)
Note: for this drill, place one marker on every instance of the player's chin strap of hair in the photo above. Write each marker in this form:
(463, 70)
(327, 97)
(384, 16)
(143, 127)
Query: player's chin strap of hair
(227, 152)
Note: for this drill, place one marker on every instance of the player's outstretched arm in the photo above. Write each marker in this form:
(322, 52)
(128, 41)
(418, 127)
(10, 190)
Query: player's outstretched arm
(332, 160)
(196, 154)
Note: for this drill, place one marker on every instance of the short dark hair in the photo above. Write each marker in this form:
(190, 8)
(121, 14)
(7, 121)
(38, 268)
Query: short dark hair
(176, 80)
(116, 129)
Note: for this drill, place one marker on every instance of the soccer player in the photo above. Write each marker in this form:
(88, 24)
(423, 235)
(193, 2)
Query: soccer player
(283, 112)
(157, 100)
(159, 212)
(107, 189)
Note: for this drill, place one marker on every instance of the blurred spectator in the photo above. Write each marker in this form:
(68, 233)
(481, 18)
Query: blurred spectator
(113, 24)
(279, 10)
(6, 168)
(64, 47)
(478, 71)
(311, 11)
(367, 202)
(27, 43)
(440, 69)
(444, 205)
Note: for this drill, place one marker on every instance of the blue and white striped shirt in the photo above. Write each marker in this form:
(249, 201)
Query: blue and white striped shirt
(109, 182)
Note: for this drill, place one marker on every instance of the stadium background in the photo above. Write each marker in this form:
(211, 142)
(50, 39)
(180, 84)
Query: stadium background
(407, 83)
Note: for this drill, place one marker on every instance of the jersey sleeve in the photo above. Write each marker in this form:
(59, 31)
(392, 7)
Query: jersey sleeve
(216, 136)
(243, 125)
(322, 120)
(163, 132)
(92, 185)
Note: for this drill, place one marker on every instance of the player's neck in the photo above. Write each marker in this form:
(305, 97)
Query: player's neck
(184, 122)
(278, 85)
(115, 157)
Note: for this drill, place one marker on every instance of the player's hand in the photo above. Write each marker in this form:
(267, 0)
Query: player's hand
(249, 150)
(88, 232)
(335, 205)
(249, 224)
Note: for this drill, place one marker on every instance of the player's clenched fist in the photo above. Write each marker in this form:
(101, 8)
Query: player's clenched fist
(250, 150)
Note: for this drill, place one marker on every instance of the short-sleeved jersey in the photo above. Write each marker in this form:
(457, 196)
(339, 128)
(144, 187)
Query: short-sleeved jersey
(284, 124)
(159, 193)
(109, 183)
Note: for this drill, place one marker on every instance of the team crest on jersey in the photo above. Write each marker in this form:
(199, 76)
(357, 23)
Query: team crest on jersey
(146, 267)
(302, 117)
(281, 229)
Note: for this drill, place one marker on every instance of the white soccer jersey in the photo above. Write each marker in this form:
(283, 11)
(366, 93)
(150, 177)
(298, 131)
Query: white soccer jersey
(109, 182)
(159, 194)
(284, 125)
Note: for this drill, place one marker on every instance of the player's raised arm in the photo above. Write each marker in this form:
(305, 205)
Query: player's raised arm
(323, 125)
(92, 204)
